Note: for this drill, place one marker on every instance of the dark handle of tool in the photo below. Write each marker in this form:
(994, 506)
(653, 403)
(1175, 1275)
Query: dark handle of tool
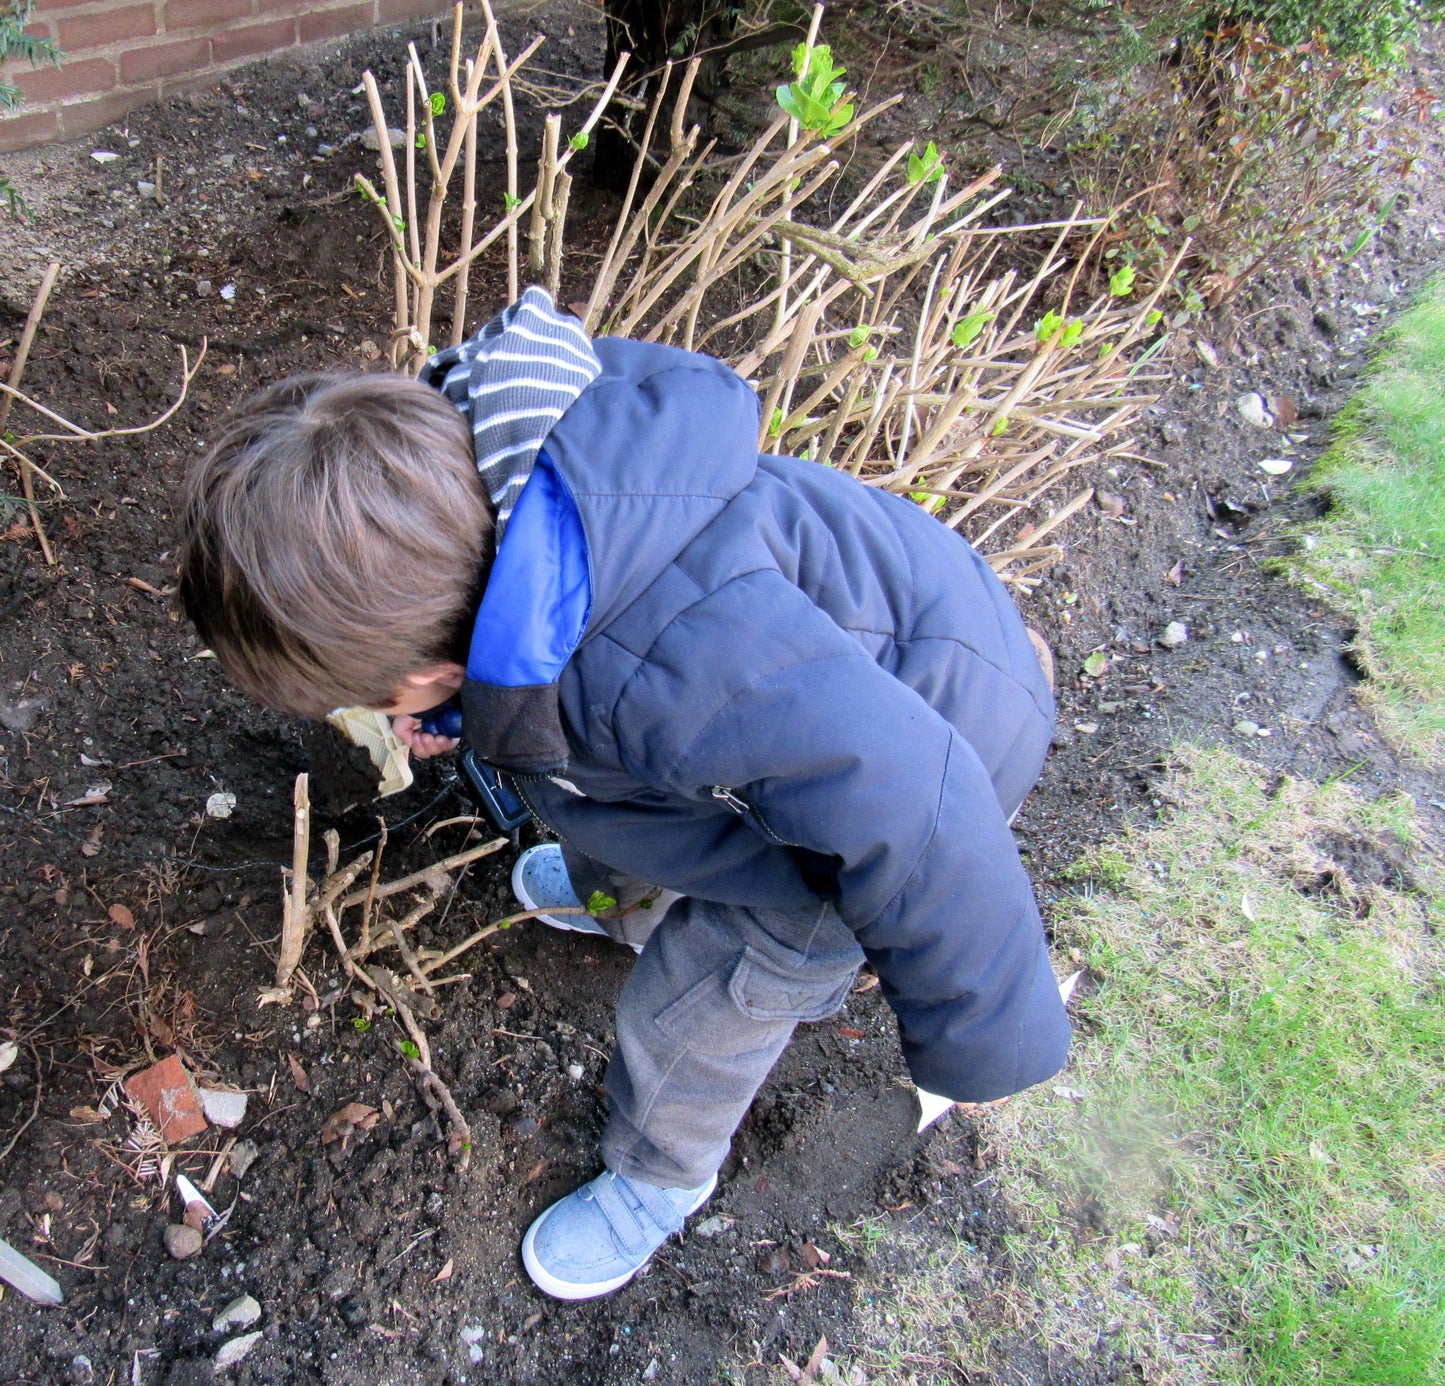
(492, 794)
(445, 720)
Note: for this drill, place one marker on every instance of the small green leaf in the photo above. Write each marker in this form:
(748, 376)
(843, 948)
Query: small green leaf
(1000, 428)
(410, 1049)
(1104, 349)
(775, 424)
(1073, 330)
(926, 167)
(965, 330)
(599, 901)
(871, 354)
(1154, 317)
(361, 1023)
(1121, 282)
(509, 201)
(1096, 664)
(813, 100)
(399, 223)
(421, 139)
(790, 103)
(1191, 223)
(1048, 326)
(858, 336)
(438, 102)
(578, 141)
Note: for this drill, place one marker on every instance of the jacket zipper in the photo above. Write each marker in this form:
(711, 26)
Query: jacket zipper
(517, 784)
(724, 795)
(740, 806)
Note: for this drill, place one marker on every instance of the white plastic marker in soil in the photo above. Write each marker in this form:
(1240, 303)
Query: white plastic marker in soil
(27, 1277)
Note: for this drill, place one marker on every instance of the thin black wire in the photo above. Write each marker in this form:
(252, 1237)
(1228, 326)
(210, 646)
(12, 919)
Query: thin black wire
(451, 784)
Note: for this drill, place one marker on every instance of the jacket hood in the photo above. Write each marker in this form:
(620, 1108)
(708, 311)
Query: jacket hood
(607, 477)
(512, 382)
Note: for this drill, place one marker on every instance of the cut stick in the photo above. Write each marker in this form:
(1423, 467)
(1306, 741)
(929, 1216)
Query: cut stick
(294, 916)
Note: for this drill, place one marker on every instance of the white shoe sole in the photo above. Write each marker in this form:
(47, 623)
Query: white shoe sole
(566, 922)
(548, 1283)
(526, 900)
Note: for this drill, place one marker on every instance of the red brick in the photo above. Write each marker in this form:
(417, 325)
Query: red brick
(399, 11)
(265, 37)
(30, 127)
(48, 7)
(51, 83)
(107, 27)
(288, 7)
(84, 117)
(162, 59)
(166, 1093)
(189, 14)
(336, 23)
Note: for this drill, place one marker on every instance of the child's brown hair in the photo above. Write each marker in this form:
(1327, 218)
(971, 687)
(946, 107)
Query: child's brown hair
(333, 540)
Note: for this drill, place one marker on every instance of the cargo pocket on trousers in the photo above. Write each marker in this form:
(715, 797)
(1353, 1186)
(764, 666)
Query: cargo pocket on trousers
(763, 991)
(748, 1005)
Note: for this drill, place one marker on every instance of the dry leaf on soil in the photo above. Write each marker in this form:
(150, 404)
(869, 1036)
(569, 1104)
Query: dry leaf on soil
(341, 1125)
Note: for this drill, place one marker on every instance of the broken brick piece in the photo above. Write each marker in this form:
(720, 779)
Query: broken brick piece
(166, 1093)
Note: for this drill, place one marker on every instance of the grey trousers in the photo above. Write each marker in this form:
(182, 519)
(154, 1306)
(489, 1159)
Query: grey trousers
(710, 1005)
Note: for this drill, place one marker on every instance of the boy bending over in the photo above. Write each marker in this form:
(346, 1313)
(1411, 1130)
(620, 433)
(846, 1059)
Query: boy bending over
(801, 706)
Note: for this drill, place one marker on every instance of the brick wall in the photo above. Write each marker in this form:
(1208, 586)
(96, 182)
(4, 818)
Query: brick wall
(120, 54)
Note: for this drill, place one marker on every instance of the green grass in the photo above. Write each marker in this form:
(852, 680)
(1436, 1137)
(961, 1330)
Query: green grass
(1381, 552)
(1241, 1178)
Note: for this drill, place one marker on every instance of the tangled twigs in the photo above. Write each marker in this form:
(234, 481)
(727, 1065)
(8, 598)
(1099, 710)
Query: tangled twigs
(27, 468)
(413, 216)
(459, 1142)
(880, 327)
(14, 447)
(306, 902)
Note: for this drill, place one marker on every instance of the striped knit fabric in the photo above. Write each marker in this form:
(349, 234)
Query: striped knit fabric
(513, 381)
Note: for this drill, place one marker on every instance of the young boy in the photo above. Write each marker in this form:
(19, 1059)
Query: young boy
(800, 705)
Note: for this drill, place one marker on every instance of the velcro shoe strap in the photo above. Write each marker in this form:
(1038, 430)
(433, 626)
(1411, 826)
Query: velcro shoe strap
(640, 1215)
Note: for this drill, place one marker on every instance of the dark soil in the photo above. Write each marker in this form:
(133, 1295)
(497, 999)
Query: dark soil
(380, 1262)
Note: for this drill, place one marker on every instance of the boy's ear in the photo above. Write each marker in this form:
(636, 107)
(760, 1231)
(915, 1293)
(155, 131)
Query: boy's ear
(445, 672)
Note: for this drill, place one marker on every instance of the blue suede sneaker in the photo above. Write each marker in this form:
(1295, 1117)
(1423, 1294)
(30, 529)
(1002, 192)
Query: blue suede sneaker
(596, 1239)
(540, 882)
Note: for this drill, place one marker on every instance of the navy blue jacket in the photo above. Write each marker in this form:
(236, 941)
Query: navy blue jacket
(754, 680)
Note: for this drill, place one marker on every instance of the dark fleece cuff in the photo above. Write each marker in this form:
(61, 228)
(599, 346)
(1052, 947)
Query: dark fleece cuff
(516, 729)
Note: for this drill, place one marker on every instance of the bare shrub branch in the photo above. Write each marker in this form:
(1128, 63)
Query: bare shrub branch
(889, 340)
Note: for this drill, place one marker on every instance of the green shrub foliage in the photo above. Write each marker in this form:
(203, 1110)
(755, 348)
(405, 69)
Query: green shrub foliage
(1378, 31)
(16, 43)
(1263, 154)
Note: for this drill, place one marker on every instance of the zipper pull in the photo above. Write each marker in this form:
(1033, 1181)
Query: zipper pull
(730, 797)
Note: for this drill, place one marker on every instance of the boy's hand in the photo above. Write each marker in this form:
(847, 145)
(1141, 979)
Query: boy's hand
(421, 744)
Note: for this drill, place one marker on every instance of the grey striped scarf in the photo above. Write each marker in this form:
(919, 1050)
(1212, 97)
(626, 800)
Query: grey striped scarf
(513, 381)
